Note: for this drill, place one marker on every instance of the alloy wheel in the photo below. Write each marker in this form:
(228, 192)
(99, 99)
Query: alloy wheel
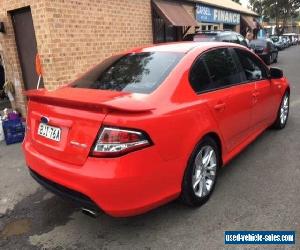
(284, 110)
(204, 174)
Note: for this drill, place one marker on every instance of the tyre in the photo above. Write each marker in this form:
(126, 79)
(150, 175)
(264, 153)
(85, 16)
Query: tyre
(283, 112)
(201, 173)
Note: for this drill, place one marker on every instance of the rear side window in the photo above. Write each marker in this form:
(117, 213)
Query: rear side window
(253, 68)
(222, 69)
(134, 72)
(199, 77)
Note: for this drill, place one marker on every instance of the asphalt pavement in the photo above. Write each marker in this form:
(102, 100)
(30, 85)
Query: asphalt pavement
(258, 190)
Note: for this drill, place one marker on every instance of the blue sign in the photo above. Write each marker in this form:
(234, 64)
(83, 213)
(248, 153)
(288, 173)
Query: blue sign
(259, 237)
(212, 15)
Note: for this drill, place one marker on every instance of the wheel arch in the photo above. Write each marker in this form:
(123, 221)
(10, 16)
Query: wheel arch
(214, 136)
(217, 139)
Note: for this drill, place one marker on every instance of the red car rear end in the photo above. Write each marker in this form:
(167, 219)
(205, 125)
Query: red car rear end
(135, 133)
(119, 182)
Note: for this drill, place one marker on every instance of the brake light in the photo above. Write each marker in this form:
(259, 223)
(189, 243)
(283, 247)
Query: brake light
(114, 142)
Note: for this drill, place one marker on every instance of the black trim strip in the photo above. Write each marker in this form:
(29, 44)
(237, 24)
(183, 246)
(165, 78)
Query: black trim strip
(77, 198)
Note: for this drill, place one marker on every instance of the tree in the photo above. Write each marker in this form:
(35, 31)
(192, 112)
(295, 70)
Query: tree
(279, 10)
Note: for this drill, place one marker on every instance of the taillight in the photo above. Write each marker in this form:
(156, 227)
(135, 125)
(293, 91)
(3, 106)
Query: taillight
(113, 142)
(266, 50)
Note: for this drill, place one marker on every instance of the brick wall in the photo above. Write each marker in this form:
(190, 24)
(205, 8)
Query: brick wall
(8, 48)
(73, 35)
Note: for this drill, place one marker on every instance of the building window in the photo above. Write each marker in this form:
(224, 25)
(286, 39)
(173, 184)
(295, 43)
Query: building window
(163, 32)
(228, 26)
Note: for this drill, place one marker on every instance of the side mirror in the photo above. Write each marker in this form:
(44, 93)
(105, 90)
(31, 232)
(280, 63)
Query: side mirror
(276, 73)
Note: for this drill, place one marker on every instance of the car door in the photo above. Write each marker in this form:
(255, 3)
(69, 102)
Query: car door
(263, 97)
(217, 80)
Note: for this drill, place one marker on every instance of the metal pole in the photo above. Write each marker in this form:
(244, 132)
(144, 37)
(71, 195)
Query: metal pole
(39, 81)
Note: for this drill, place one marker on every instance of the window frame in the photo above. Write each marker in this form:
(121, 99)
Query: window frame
(200, 57)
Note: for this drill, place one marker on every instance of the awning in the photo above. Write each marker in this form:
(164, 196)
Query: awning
(173, 13)
(248, 20)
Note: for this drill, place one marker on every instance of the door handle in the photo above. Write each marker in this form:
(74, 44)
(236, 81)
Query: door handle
(220, 106)
(255, 94)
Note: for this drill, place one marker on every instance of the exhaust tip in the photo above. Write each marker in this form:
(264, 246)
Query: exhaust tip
(90, 212)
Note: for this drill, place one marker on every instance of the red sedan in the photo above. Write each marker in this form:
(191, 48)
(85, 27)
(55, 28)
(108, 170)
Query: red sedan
(151, 125)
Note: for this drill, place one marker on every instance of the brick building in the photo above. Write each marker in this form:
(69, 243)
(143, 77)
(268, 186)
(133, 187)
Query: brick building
(72, 35)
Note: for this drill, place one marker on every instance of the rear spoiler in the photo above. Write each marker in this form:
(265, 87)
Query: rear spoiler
(72, 98)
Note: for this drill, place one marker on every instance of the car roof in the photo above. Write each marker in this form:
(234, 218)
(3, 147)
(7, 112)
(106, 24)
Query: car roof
(183, 47)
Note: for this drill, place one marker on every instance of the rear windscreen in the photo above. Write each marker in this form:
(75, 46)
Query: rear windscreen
(135, 72)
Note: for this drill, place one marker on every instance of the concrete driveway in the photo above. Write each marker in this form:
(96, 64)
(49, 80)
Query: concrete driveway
(258, 190)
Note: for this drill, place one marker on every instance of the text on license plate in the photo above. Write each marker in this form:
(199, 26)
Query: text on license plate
(49, 132)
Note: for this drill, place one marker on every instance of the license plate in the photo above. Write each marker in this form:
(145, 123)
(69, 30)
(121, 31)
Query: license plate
(49, 132)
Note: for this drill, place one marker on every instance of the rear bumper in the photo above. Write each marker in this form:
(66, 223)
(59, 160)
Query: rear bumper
(77, 198)
(124, 186)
